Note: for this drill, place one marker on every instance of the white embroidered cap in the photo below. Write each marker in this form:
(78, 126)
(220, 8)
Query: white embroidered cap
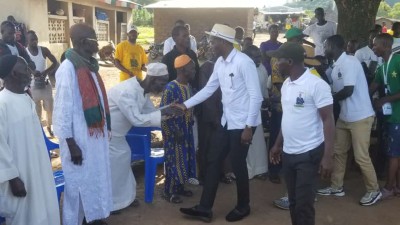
(157, 69)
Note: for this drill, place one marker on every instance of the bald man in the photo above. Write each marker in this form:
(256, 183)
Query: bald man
(27, 190)
(82, 123)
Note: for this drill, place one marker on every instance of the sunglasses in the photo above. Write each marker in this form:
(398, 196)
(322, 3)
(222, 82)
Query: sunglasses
(91, 39)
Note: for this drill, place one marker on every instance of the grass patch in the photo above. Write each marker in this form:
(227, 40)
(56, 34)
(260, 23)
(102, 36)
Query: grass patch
(146, 35)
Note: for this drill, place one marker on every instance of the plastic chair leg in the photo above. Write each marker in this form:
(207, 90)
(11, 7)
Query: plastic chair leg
(60, 190)
(150, 180)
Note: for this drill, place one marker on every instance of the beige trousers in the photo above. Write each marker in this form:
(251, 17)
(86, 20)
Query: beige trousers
(356, 134)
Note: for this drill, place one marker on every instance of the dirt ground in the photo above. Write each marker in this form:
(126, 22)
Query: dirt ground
(329, 210)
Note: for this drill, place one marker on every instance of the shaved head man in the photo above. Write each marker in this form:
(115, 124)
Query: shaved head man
(82, 124)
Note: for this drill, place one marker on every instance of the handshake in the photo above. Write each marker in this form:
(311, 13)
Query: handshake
(172, 110)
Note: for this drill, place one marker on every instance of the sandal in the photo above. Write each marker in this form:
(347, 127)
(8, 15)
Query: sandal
(262, 176)
(226, 179)
(173, 198)
(53, 154)
(186, 193)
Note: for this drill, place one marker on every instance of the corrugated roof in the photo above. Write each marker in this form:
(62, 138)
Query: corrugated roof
(201, 4)
(281, 10)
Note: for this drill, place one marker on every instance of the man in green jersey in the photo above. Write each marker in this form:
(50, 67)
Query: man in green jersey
(388, 77)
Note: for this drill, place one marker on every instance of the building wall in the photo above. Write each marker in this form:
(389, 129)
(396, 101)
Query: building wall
(200, 20)
(34, 14)
(30, 12)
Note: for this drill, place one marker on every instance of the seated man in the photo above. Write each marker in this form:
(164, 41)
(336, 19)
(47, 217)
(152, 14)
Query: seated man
(131, 106)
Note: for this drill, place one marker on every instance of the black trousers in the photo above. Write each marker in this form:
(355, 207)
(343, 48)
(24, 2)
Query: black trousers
(301, 174)
(226, 141)
(207, 132)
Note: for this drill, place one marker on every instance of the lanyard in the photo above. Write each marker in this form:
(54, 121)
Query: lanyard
(385, 73)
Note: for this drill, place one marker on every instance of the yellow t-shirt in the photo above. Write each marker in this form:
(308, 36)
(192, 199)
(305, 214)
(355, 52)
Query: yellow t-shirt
(237, 46)
(132, 57)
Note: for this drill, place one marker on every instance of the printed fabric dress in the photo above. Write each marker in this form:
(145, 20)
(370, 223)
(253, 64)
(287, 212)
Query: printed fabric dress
(180, 160)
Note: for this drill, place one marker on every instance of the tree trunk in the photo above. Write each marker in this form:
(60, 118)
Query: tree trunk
(356, 18)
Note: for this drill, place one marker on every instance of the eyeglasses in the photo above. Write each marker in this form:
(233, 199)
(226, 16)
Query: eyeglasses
(91, 39)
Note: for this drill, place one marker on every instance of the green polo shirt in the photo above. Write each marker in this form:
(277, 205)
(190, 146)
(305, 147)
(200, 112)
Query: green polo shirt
(393, 80)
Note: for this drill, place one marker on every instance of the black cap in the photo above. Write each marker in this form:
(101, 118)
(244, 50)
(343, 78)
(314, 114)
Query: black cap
(289, 50)
(7, 63)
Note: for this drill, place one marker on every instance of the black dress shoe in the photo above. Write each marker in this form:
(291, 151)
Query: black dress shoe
(205, 215)
(237, 214)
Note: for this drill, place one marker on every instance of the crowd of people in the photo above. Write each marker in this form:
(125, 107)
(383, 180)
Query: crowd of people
(316, 100)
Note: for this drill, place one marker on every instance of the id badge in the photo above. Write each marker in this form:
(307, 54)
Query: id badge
(387, 109)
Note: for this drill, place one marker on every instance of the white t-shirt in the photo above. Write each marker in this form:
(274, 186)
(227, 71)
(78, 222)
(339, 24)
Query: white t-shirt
(302, 127)
(347, 71)
(170, 43)
(367, 55)
(319, 34)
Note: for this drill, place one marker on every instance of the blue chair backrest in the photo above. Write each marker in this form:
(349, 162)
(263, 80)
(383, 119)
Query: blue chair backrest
(49, 144)
(139, 140)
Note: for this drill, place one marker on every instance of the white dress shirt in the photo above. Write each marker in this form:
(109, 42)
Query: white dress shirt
(170, 43)
(240, 86)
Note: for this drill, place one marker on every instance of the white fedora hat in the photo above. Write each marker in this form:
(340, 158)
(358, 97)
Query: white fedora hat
(224, 32)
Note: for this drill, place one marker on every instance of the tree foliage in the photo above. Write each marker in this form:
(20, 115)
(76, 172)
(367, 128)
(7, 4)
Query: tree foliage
(384, 9)
(311, 5)
(142, 17)
(391, 2)
(395, 11)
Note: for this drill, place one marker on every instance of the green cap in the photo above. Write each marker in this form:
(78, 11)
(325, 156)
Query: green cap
(294, 32)
(289, 50)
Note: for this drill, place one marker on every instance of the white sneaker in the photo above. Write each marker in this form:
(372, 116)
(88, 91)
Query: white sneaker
(193, 181)
(370, 198)
(331, 191)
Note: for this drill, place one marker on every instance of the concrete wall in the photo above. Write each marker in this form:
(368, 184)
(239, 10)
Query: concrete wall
(34, 13)
(31, 12)
(200, 20)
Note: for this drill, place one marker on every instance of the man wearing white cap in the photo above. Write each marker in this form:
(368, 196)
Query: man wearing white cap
(130, 57)
(131, 106)
(236, 74)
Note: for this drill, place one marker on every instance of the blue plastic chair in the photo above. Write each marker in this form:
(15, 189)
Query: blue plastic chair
(2, 220)
(58, 175)
(139, 140)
